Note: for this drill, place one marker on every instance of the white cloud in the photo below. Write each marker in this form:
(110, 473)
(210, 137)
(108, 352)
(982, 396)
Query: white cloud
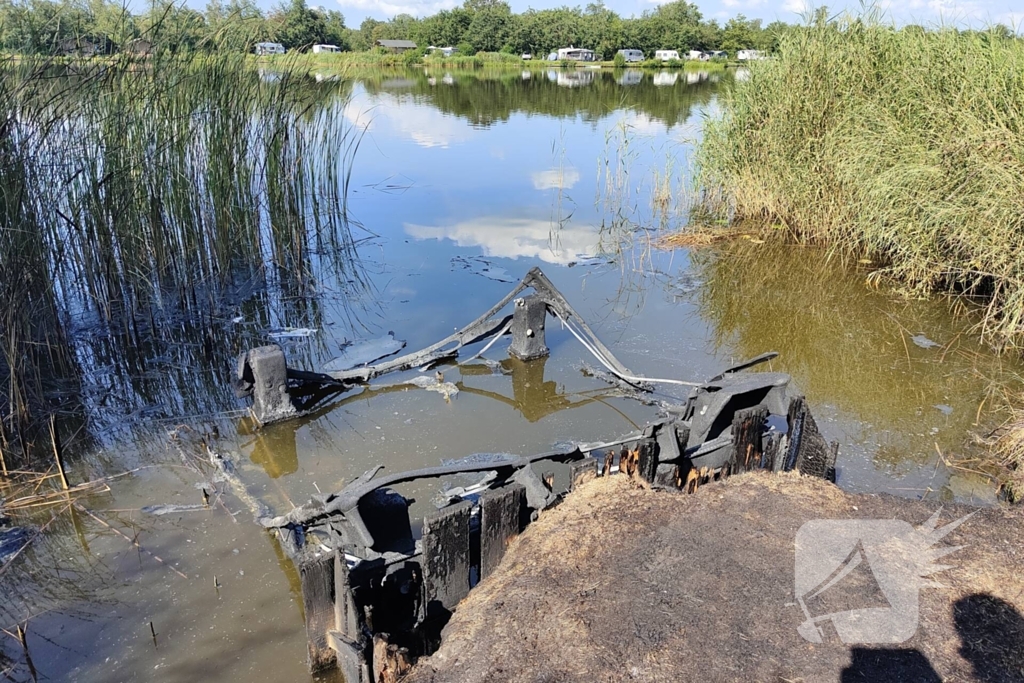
(390, 9)
(424, 125)
(504, 237)
(798, 6)
(555, 178)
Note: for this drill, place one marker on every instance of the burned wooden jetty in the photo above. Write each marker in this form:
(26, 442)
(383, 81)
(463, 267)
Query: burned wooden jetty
(377, 593)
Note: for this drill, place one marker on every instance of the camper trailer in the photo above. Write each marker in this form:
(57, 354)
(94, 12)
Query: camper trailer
(318, 49)
(666, 55)
(749, 55)
(632, 55)
(269, 49)
(698, 55)
(576, 54)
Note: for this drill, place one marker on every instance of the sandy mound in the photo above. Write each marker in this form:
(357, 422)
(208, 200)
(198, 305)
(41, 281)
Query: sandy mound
(621, 583)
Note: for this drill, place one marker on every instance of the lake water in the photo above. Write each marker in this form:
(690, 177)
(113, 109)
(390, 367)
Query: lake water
(462, 184)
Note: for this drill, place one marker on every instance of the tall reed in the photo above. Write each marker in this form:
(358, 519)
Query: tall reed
(133, 192)
(903, 145)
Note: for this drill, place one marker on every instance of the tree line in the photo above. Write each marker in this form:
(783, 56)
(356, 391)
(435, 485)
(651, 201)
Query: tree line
(54, 27)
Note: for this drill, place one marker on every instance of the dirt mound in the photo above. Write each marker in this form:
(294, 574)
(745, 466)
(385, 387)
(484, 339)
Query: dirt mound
(621, 583)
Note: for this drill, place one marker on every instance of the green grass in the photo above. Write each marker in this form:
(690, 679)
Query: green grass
(904, 146)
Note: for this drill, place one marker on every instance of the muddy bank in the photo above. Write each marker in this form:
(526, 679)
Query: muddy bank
(623, 583)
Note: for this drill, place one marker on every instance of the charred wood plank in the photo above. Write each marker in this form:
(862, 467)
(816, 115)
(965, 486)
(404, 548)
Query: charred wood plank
(747, 449)
(809, 452)
(647, 460)
(581, 472)
(347, 617)
(500, 514)
(528, 321)
(446, 561)
(316, 576)
(772, 451)
(351, 658)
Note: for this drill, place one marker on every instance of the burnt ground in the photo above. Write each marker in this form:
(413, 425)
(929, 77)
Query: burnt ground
(620, 583)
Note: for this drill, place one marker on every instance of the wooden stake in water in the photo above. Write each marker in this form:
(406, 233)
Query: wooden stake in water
(56, 453)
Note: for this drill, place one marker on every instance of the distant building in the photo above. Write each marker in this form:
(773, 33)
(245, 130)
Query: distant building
(396, 46)
(749, 55)
(269, 49)
(318, 49)
(577, 54)
(79, 48)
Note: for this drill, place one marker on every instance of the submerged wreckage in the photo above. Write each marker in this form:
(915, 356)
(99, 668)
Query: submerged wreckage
(376, 593)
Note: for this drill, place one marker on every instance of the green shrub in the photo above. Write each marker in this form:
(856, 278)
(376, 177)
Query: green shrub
(619, 60)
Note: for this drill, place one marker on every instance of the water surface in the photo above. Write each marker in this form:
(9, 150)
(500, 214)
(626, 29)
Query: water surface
(463, 183)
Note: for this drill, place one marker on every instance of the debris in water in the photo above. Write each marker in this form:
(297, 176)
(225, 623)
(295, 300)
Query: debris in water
(944, 409)
(481, 266)
(924, 342)
(356, 354)
(446, 389)
(290, 332)
(161, 510)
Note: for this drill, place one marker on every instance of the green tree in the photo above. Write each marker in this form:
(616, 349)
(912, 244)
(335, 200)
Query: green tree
(298, 26)
(741, 34)
(491, 25)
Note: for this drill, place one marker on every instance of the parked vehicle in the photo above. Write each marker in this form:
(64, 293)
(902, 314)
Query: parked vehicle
(719, 54)
(527, 56)
(698, 55)
(749, 55)
(666, 55)
(318, 49)
(632, 55)
(445, 51)
(577, 54)
(269, 49)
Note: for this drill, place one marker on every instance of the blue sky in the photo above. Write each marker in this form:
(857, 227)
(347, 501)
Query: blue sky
(975, 12)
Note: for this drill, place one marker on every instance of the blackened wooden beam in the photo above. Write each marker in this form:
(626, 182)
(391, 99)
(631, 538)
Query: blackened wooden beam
(347, 620)
(351, 658)
(581, 472)
(528, 321)
(446, 560)
(316, 575)
(500, 514)
(747, 448)
(647, 460)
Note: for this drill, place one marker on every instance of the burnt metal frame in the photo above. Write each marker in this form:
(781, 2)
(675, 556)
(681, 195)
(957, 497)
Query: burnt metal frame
(389, 605)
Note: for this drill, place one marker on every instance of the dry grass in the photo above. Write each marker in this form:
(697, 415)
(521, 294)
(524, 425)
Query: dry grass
(622, 583)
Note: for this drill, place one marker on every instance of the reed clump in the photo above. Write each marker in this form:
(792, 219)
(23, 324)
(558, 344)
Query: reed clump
(136, 192)
(904, 146)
